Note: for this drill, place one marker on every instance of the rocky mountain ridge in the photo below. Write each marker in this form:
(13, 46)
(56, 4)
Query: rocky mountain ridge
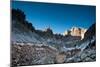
(75, 31)
(24, 31)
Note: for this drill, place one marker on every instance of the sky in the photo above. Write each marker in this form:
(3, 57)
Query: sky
(59, 17)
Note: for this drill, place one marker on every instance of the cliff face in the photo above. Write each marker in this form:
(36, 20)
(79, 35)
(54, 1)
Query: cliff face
(90, 32)
(75, 31)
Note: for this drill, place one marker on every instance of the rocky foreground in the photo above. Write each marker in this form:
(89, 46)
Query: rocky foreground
(34, 55)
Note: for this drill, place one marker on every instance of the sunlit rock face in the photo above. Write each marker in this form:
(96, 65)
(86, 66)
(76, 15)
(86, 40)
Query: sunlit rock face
(83, 33)
(75, 31)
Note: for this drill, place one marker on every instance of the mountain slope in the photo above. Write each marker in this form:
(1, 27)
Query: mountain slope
(87, 46)
(23, 31)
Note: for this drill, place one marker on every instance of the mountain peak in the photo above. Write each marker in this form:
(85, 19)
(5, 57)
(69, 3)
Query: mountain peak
(75, 31)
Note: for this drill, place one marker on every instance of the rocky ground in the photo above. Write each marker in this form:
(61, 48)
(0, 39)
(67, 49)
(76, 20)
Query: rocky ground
(34, 55)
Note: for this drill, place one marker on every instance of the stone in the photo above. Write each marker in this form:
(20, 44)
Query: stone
(60, 58)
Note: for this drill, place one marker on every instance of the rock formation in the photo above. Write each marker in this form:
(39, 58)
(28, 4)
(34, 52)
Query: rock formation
(75, 31)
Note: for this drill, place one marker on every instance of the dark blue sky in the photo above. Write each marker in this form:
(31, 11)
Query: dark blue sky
(59, 17)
